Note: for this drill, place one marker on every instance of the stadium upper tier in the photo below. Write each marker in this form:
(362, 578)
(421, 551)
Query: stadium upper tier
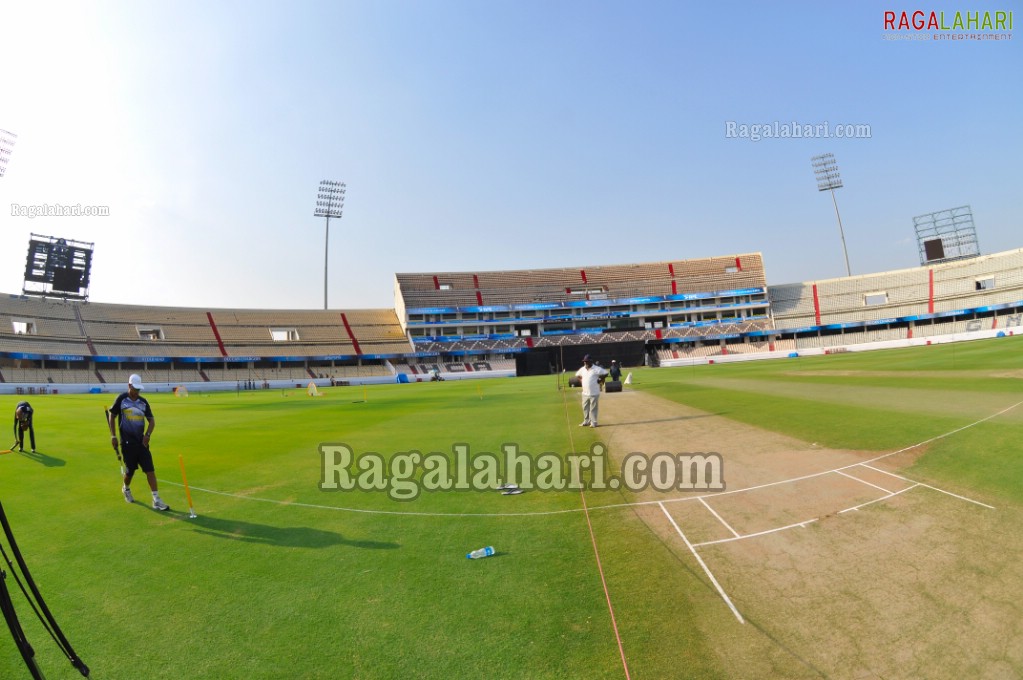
(37, 326)
(915, 294)
(567, 285)
(454, 311)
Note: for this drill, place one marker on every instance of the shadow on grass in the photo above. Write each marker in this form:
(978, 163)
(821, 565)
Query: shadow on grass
(43, 459)
(285, 537)
(666, 420)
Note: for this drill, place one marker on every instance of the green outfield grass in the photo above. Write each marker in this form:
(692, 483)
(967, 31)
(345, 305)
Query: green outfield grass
(278, 579)
(881, 401)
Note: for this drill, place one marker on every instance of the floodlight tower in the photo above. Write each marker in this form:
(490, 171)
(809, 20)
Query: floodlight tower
(7, 140)
(329, 201)
(826, 169)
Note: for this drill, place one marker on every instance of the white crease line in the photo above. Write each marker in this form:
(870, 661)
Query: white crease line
(759, 533)
(928, 486)
(885, 472)
(955, 495)
(720, 519)
(878, 500)
(880, 488)
(721, 591)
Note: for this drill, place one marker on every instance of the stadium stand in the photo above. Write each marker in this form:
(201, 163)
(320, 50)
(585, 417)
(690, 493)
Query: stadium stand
(521, 310)
(468, 322)
(53, 341)
(950, 286)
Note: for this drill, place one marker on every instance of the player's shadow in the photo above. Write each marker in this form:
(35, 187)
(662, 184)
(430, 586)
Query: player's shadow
(667, 420)
(43, 459)
(287, 537)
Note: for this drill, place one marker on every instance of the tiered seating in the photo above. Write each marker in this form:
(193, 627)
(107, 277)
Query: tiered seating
(54, 327)
(108, 330)
(42, 345)
(955, 282)
(808, 342)
(478, 346)
(458, 289)
(378, 331)
(108, 322)
(320, 332)
(907, 291)
(792, 305)
(78, 338)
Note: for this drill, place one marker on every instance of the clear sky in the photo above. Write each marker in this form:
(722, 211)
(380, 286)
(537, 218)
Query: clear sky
(481, 135)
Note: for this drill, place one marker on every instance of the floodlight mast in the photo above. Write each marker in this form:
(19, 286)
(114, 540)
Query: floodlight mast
(329, 202)
(825, 167)
(7, 140)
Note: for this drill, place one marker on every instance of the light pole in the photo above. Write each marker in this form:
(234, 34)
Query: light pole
(825, 167)
(330, 199)
(7, 140)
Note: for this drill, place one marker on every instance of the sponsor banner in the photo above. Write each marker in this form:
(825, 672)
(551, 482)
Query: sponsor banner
(531, 306)
(487, 309)
(432, 310)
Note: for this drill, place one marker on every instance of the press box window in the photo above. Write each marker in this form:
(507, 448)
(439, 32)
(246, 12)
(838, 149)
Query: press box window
(150, 333)
(986, 284)
(873, 299)
(284, 334)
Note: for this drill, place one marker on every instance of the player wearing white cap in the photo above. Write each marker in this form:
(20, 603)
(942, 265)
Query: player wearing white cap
(136, 427)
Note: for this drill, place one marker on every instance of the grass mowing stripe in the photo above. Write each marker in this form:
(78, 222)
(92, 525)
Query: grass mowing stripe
(274, 593)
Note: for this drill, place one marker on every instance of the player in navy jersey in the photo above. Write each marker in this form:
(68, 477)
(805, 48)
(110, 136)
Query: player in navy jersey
(23, 421)
(136, 421)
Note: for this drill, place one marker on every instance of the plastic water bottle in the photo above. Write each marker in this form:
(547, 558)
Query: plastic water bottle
(482, 552)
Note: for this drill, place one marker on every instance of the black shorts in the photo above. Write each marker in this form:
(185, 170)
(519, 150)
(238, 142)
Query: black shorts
(136, 456)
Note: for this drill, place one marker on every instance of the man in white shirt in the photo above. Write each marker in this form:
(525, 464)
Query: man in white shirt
(590, 376)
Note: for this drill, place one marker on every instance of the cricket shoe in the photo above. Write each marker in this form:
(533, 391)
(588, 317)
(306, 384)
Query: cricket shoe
(127, 494)
(160, 505)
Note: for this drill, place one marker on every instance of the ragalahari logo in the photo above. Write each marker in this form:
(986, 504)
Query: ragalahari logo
(920, 20)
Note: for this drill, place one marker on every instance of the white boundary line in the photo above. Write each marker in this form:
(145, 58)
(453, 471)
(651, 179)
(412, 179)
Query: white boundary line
(720, 519)
(612, 506)
(721, 591)
(947, 434)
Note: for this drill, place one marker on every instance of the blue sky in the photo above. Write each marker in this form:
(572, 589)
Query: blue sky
(488, 135)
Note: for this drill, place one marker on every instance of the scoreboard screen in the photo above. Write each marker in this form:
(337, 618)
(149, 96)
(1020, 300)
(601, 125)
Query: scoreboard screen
(60, 266)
